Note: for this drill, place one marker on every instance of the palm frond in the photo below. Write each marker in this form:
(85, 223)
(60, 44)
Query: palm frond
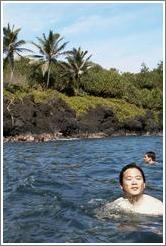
(11, 45)
(49, 49)
(36, 56)
(39, 48)
(20, 42)
(62, 47)
(41, 41)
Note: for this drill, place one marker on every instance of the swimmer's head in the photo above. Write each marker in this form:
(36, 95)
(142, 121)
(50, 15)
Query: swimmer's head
(132, 180)
(131, 165)
(149, 157)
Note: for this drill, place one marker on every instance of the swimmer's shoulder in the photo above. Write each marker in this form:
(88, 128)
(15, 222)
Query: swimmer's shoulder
(153, 205)
(152, 199)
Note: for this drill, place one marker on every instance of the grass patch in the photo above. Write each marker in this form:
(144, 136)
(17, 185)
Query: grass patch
(122, 109)
(80, 104)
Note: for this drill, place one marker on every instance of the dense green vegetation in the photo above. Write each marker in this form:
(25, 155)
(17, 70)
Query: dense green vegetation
(78, 81)
(142, 89)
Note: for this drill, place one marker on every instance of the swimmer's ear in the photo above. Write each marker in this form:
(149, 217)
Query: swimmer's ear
(121, 187)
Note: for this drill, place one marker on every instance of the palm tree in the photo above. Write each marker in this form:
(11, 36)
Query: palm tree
(11, 46)
(76, 65)
(49, 50)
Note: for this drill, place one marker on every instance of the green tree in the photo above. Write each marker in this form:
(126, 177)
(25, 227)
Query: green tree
(49, 50)
(12, 46)
(157, 74)
(77, 64)
(144, 68)
(160, 67)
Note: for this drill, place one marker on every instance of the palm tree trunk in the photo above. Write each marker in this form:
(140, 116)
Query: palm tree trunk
(11, 63)
(10, 111)
(48, 76)
(11, 74)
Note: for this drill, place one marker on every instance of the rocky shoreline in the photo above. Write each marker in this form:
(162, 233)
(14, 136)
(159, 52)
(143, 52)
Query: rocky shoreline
(28, 121)
(46, 137)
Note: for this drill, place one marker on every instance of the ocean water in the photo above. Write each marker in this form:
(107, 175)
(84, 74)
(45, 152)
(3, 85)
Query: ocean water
(52, 190)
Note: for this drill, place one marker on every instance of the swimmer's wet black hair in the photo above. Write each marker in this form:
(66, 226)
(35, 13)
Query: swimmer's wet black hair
(151, 154)
(131, 165)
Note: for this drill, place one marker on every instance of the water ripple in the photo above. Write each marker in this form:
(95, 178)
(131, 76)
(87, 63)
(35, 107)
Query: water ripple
(53, 190)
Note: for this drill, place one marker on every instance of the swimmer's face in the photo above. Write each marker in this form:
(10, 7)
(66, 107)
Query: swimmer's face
(147, 159)
(133, 183)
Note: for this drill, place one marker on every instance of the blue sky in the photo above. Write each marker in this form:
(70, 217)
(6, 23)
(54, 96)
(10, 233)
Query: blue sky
(118, 35)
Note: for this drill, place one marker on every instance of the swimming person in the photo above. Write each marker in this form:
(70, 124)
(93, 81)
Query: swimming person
(132, 182)
(150, 158)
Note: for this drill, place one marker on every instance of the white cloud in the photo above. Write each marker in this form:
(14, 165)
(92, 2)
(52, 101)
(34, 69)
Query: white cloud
(30, 21)
(81, 25)
(87, 24)
(125, 54)
(100, 22)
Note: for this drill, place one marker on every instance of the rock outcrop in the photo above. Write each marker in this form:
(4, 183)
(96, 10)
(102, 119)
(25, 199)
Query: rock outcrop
(26, 120)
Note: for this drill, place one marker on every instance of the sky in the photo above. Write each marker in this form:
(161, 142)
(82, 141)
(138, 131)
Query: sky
(120, 35)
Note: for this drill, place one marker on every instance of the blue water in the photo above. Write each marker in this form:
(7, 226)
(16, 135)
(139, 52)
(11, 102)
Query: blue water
(52, 191)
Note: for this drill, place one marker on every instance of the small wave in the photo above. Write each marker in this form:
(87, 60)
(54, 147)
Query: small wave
(23, 184)
(72, 165)
(142, 237)
(114, 210)
(94, 201)
(66, 139)
(153, 188)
